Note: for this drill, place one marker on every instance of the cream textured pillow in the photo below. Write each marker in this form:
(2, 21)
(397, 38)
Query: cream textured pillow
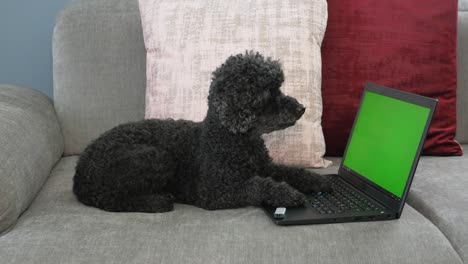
(186, 40)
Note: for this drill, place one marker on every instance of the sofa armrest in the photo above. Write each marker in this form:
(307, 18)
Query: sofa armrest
(31, 142)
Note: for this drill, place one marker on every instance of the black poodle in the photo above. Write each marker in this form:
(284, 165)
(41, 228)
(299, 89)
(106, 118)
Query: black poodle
(219, 163)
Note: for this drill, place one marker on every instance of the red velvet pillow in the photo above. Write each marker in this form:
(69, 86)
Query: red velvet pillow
(407, 45)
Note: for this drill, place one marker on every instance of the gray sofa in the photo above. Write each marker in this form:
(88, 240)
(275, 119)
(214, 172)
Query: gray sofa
(99, 82)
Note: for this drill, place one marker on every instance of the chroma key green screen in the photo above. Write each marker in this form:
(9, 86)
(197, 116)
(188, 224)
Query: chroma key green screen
(385, 140)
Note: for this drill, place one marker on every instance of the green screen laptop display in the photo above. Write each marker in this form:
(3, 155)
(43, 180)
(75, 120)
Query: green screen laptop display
(385, 140)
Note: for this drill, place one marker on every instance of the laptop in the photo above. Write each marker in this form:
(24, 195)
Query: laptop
(378, 164)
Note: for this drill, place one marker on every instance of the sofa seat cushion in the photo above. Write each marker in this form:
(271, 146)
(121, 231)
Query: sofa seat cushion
(58, 229)
(440, 193)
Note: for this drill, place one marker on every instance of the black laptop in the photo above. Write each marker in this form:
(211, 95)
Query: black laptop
(378, 165)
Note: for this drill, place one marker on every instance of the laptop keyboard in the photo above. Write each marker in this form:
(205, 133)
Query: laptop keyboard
(342, 199)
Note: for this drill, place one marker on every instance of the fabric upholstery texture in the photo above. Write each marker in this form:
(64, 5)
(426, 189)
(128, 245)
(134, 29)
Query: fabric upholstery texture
(412, 48)
(187, 40)
(439, 193)
(30, 144)
(462, 57)
(99, 69)
(58, 229)
(462, 5)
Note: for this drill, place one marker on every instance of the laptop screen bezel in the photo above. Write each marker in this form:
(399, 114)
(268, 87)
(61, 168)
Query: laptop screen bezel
(383, 196)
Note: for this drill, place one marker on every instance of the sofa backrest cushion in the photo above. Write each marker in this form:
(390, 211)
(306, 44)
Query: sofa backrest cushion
(99, 69)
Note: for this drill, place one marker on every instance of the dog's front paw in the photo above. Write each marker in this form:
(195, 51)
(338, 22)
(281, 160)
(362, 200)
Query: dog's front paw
(311, 182)
(283, 195)
(325, 184)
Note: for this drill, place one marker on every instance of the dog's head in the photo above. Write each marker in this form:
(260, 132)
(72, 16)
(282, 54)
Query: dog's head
(246, 97)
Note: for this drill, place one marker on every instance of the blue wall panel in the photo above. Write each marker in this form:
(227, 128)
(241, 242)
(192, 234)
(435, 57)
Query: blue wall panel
(26, 42)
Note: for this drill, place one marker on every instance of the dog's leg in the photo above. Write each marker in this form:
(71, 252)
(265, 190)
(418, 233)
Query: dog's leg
(260, 190)
(299, 178)
(257, 191)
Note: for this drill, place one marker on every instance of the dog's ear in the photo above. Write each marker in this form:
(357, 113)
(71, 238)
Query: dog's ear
(233, 116)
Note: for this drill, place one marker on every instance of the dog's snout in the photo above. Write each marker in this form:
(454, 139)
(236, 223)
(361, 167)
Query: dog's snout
(300, 110)
(294, 108)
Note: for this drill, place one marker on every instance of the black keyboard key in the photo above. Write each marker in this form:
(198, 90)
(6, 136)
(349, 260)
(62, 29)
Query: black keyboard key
(340, 200)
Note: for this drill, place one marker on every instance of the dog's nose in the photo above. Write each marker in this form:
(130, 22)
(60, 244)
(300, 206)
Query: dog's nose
(300, 110)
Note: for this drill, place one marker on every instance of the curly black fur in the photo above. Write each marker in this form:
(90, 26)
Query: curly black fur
(219, 163)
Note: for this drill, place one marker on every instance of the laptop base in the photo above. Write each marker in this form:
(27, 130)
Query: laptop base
(344, 204)
(303, 216)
